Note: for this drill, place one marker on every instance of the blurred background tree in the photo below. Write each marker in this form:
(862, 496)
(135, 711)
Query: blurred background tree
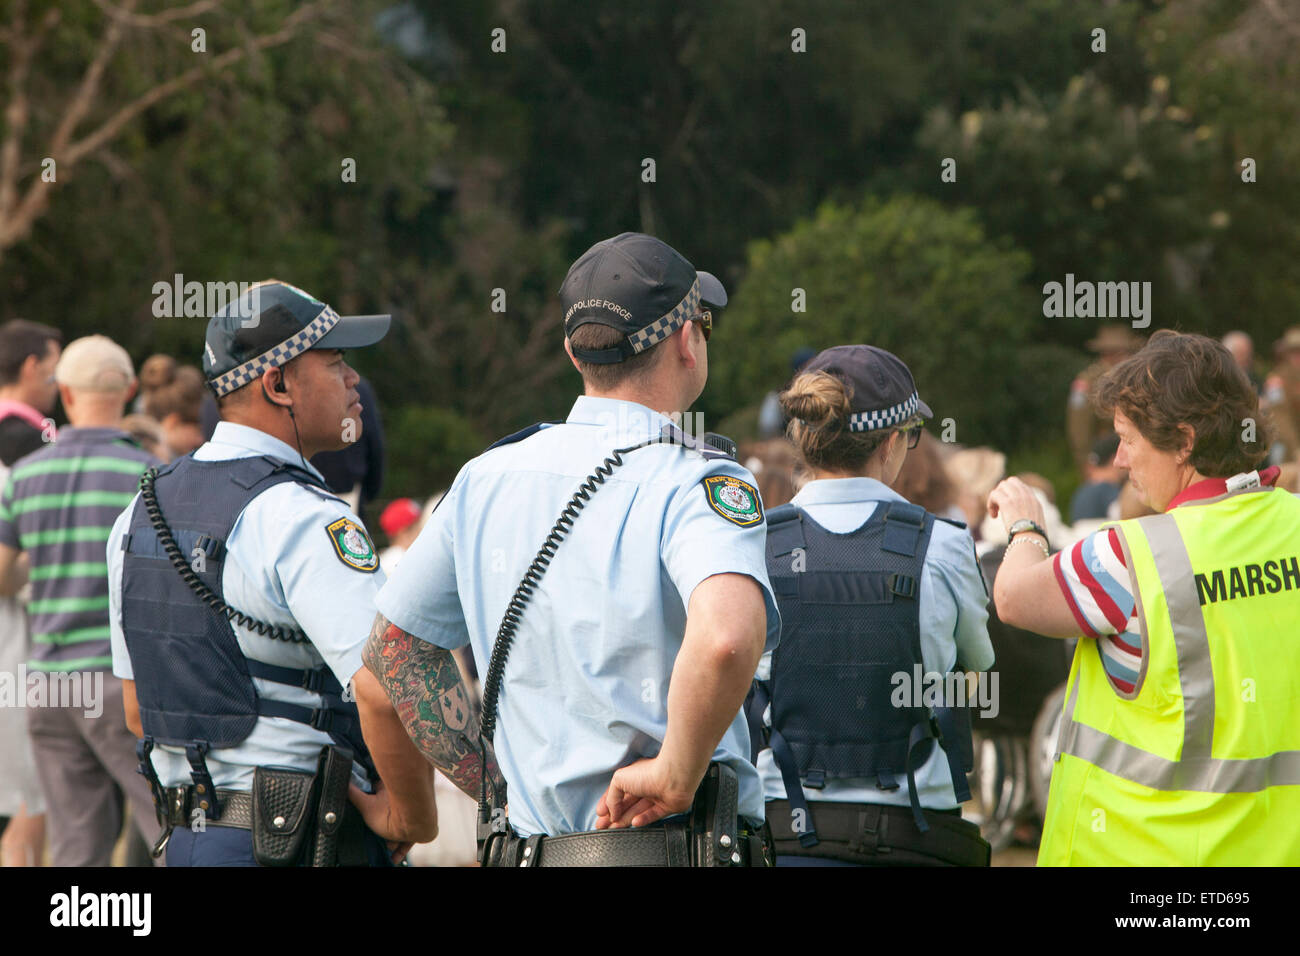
(481, 173)
(912, 276)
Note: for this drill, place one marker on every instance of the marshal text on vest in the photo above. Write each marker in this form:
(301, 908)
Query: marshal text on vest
(1249, 580)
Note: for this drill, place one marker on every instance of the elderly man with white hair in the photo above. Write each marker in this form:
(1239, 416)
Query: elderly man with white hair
(55, 514)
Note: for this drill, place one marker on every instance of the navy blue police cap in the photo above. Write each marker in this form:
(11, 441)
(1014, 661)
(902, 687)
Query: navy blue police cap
(884, 394)
(638, 285)
(271, 324)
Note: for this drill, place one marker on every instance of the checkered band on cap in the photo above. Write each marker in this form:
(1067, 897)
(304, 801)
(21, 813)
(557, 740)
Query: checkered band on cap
(885, 417)
(279, 355)
(661, 328)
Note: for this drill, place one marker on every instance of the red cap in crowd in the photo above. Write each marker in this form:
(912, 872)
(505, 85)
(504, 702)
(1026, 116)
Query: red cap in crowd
(399, 516)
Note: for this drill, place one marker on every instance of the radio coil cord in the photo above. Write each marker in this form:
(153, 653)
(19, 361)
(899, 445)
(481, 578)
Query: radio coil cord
(514, 612)
(191, 578)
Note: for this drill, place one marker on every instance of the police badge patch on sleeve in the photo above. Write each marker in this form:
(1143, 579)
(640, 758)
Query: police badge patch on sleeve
(353, 545)
(735, 500)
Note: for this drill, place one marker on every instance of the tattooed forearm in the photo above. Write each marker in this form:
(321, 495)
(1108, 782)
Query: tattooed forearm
(426, 690)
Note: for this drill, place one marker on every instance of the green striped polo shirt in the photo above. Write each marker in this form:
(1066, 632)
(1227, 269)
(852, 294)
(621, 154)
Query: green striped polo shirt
(59, 506)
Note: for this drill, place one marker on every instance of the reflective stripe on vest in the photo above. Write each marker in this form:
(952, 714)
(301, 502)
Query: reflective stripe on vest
(1196, 769)
(1200, 764)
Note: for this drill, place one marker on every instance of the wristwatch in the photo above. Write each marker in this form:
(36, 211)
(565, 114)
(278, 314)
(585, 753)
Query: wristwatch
(1025, 524)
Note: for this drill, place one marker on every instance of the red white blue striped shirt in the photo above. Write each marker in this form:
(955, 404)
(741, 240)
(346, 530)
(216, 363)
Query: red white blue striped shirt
(1095, 580)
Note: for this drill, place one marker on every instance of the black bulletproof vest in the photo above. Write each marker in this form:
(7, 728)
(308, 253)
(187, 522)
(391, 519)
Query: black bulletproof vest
(193, 683)
(850, 622)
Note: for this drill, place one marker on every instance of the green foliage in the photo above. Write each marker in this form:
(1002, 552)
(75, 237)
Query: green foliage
(747, 134)
(426, 448)
(501, 369)
(1050, 457)
(1115, 165)
(237, 178)
(1038, 388)
(1233, 69)
(909, 276)
(1098, 188)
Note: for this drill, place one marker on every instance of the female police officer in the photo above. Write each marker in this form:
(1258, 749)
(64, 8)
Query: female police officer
(879, 601)
(1180, 738)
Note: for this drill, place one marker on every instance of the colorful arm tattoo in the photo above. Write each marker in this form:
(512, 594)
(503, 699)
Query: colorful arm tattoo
(426, 690)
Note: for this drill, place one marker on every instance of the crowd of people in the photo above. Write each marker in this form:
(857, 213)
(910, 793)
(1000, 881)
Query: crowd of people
(861, 523)
(66, 776)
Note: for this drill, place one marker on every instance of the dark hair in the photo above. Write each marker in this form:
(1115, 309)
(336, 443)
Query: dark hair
(594, 336)
(170, 388)
(923, 480)
(1186, 379)
(20, 339)
(157, 371)
(818, 404)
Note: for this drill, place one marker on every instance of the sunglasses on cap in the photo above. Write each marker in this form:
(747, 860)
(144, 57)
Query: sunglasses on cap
(705, 319)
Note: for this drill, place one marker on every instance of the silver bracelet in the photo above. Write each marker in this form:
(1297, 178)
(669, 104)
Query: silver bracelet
(1028, 536)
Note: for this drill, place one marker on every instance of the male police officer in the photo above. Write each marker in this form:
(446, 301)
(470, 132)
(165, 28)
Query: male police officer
(238, 586)
(633, 639)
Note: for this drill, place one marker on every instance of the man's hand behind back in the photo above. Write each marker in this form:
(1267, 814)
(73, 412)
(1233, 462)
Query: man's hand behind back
(642, 793)
(726, 622)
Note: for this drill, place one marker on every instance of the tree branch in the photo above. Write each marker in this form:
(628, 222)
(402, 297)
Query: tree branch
(21, 52)
(84, 98)
(1275, 12)
(148, 21)
(114, 124)
(18, 222)
(16, 226)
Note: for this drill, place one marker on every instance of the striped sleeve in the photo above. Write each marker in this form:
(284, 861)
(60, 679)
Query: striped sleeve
(8, 533)
(1095, 581)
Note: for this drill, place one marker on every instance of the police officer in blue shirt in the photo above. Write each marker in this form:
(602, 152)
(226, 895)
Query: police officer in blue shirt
(239, 588)
(867, 724)
(620, 664)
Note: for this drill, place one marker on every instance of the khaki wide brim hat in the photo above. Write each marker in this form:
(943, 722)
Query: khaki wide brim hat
(976, 470)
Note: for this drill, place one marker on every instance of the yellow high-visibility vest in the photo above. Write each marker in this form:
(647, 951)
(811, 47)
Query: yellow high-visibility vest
(1200, 765)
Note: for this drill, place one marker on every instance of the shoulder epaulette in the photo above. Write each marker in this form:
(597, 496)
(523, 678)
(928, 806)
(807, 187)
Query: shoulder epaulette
(520, 435)
(711, 446)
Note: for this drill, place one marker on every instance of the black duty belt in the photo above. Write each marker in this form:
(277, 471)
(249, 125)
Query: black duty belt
(711, 833)
(667, 844)
(880, 835)
(182, 802)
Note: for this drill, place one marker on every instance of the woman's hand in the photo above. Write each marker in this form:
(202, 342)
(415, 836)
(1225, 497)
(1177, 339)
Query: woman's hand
(1013, 500)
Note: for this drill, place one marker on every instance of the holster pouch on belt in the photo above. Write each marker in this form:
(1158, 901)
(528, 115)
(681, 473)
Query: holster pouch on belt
(283, 801)
(492, 851)
(340, 831)
(707, 835)
(714, 825)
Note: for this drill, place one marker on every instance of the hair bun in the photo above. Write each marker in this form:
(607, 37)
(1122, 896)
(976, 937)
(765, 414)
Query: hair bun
(817, 399)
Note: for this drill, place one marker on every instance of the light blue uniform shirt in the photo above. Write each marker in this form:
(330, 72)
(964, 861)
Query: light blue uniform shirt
(954, 631)
(281, 568)
(585, 689)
